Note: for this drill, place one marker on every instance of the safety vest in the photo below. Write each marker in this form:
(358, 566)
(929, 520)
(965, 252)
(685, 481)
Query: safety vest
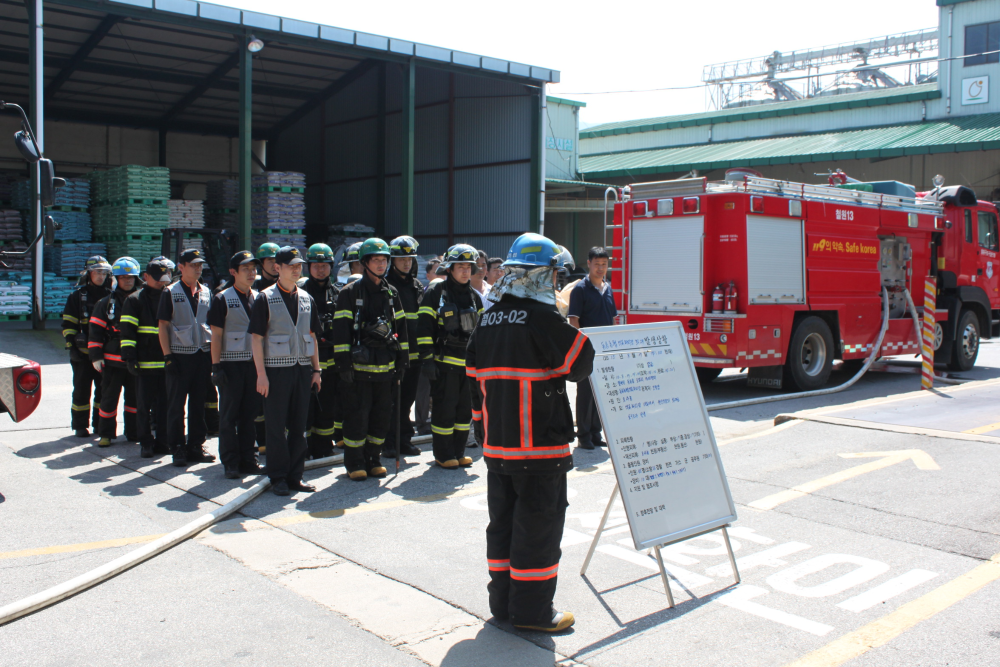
(235, 339)
(189, 332)
(287, 343)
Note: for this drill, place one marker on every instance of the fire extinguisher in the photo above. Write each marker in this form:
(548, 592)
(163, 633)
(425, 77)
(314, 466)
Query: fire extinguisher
(731, 298)
(718, 298)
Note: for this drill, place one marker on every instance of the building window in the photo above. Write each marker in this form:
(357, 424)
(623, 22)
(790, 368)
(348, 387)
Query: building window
(982, 38)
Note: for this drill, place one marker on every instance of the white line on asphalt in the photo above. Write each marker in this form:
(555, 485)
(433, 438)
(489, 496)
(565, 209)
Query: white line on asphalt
(886, 591)
(740, 597)
(686, 578)
(766, 558)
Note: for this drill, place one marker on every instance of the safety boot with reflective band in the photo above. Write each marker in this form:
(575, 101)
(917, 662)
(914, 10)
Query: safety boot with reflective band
(561, 620)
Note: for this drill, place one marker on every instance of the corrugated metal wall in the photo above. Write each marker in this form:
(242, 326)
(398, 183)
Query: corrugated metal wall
(561, 126)
(473, 139)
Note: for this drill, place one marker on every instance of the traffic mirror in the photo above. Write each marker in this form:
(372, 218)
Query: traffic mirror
(26, 147)
(48, 181)
(49, 227)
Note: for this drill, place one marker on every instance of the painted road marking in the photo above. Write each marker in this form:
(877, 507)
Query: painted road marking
(882, 631)
(984, 429)
(740, 597)
(922, 460)
(887, 591)
(686, 578)
(766, 558)
(84, 546)
(787, 581)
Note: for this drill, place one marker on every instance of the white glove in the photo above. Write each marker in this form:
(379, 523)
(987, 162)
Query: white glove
(99, 365)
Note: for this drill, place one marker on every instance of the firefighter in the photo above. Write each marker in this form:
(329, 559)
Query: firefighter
(95, 284)
(265, 255)
(351, 260)
(403, 277)
(104, 350)
(144, 359)
(449, 313)
(185, 340)
(520, 358)
(233, 370)
(321, 426)
(284, 323)
(370, 328)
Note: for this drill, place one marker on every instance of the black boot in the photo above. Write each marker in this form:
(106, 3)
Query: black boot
(354, 462)
(458, 443)
(373, 460)
(443, 450)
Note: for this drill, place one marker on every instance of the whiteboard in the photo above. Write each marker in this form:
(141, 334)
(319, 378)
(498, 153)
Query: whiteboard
(659, 436)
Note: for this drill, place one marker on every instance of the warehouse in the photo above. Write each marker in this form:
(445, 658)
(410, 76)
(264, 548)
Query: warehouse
(943, 122)
(390, 135)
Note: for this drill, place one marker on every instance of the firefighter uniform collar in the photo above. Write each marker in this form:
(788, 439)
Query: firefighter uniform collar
(454, 285)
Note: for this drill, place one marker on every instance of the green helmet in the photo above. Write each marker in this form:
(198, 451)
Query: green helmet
(373, 247)
(404, 246)
(320, 252)
(461, 253)
(267, 250)
(351, 254)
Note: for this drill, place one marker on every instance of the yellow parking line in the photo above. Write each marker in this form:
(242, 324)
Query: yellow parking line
(85, 546)
(882, 631)
(984, 429)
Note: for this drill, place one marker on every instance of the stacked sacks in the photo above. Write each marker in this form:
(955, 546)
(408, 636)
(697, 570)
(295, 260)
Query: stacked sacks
(278, 208)
(222, 199)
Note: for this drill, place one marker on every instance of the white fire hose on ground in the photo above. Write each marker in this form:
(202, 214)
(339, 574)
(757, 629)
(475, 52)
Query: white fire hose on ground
(81, 583)
(876, 349)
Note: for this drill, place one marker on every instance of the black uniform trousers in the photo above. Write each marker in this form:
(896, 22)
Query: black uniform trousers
(83, 414)
(367, 417)
(422, 404)
(286, 406)
(212, 410)
(113, 380)
(588, 418)
(151, 389)
(188, 384)
(527, 513)
(320, 424)
(452, 414)
(408, 394)
(239, 404)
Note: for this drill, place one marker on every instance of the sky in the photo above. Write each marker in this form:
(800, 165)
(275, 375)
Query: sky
(605, 46)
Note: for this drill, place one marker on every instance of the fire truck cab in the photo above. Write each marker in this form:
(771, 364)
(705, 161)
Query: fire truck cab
(782, 277)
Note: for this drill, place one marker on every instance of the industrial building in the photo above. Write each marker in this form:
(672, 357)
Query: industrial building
(393, 135)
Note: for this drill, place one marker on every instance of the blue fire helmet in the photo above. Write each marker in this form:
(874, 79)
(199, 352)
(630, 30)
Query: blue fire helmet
(125, 266)
(535, 250)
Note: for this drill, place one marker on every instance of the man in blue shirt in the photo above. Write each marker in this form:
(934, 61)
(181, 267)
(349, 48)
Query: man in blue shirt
(591, 304)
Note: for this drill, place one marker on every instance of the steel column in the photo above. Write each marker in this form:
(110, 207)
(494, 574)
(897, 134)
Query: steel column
(37, 97)
(162, 150)
(380, 157)
(245, 141)
(451, 160)
(536, 223)
(407, 162)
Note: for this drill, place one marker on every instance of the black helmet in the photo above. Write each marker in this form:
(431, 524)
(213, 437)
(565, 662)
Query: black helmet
(403, 246)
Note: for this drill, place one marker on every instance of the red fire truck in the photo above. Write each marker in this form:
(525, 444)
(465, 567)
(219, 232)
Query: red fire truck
(782, 277)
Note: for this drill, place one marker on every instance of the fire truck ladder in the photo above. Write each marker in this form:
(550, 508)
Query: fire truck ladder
(828, 193)
(609, 245)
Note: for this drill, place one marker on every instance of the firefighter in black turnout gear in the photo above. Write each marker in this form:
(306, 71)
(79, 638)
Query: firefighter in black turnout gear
(95, 284)
(520, 358)
(371, 349)
(322, 287)
(449, 313)
(403, 277)
(144, 359)
(105, 348)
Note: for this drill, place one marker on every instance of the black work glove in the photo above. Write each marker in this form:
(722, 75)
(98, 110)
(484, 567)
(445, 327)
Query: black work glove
(170, 366)
(219, 378)
(133, 366)
(430, 370)
(347, 375)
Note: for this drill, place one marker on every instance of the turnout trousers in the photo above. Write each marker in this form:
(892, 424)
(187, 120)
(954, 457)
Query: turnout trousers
(452, 414)
(367, 417)
(83, 415)
(527, 513)
(286, 406)
(321, 424)
(113, 380)
(151, 420)
(588, 419)
(408, 393)
(239, 404)
(188, 384)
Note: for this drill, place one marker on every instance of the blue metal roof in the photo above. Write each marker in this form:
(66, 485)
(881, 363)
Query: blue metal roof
(326, 33)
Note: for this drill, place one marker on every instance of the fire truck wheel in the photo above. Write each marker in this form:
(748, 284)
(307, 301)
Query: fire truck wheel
(706, 375)
(810, 355)
(966, 344)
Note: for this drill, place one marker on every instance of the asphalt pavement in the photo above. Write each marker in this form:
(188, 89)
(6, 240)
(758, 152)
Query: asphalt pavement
(867, 534)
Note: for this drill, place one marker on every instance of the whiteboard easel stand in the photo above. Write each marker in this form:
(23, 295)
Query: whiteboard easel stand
(656, 549)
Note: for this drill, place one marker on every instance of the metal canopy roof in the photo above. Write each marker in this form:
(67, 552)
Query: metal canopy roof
(873, 98)
(966, 133)
(174, 64)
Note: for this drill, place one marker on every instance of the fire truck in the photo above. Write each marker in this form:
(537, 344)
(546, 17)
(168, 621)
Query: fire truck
(782, 278)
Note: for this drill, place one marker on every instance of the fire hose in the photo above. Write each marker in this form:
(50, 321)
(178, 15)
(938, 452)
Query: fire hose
(876, 349)
(67, 589)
